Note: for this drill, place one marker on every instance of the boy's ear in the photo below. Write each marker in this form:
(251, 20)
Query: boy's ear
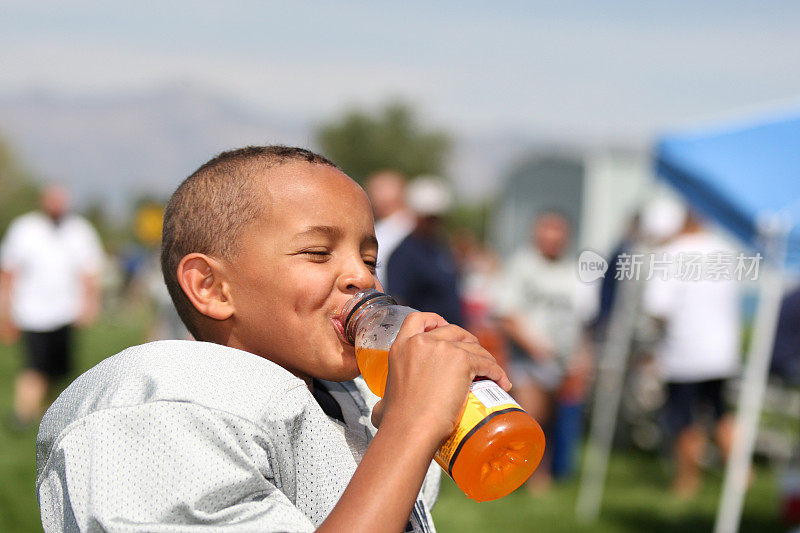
(202, 279)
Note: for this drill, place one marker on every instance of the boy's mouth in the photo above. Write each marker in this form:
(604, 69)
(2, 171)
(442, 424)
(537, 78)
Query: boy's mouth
(339, 327)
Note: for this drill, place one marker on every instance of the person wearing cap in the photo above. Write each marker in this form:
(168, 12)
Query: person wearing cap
(696, 309)
(421, 272)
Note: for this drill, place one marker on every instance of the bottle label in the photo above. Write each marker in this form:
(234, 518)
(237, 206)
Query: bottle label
(486, 400)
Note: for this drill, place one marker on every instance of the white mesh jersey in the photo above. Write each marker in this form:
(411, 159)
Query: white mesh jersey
(192, 436)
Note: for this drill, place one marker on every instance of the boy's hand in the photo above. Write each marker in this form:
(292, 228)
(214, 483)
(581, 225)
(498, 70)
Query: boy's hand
(431, 366)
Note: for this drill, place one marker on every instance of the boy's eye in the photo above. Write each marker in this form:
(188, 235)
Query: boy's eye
(317, 255)
(371, 263)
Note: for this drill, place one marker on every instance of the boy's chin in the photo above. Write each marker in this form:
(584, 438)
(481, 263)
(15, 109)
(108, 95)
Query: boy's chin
(344, 371)
(344, 374)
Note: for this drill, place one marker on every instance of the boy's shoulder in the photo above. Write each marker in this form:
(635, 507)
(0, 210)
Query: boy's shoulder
(183, 403)
(199, 373)
(182, 371)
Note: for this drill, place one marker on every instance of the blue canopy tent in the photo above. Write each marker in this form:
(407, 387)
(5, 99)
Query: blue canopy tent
(746, 177)
(739, 175)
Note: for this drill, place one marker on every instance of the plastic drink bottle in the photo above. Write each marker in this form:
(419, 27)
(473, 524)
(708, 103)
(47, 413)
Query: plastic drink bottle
(496, 445)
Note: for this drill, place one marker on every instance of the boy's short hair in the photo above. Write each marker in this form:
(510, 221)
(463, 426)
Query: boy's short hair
(209, 210)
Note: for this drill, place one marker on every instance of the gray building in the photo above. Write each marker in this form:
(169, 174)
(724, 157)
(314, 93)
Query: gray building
(598, 191)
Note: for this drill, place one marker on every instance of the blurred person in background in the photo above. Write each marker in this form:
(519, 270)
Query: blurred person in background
(165, 322)
(480, 270)
(610, 284)
(698, 321)
(786, 351)
(541, 313)
(50, 265)
(422, 272)
(393, 220)
(785, 365)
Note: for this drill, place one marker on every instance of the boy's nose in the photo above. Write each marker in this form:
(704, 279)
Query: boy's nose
(357, 278)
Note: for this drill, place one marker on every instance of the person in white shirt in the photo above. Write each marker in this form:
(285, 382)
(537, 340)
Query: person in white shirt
(698, 317)
(50, 262)
(393, 220)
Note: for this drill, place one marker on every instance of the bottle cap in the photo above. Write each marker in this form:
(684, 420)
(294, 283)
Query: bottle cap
(356, 303)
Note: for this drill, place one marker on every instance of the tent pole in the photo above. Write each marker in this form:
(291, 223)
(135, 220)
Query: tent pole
(608, 391)
(751, 395)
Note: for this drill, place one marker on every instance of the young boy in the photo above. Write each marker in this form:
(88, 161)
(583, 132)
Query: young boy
(260, 425)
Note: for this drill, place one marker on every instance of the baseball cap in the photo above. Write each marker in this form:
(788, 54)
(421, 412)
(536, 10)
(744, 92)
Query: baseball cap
(429, 196)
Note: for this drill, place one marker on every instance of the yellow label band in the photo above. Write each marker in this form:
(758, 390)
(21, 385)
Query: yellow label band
(486, 400)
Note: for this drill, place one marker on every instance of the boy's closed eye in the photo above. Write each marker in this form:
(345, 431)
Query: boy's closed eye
(317, 255)
(322, 255)
(372, 264)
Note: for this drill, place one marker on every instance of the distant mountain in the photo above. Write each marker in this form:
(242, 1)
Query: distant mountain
(114, 149)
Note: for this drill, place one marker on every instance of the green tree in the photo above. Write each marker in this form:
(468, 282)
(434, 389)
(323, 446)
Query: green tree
(362, 143)
(18, 192)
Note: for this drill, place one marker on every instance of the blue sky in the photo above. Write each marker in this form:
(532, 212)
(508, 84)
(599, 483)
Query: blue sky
(614, 70)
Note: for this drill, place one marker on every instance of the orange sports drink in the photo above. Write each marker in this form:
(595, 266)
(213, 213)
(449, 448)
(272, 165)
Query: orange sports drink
(496, 445)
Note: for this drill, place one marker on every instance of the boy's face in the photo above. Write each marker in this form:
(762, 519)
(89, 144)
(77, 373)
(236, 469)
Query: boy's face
(298, 264)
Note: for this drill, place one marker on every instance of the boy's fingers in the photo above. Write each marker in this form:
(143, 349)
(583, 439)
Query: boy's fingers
(451, 332)
(484, 365)
(495, 373)
(481, 362)
(419, 322)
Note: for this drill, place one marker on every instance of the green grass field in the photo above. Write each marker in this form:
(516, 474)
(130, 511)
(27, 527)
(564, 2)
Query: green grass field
(636, 499)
